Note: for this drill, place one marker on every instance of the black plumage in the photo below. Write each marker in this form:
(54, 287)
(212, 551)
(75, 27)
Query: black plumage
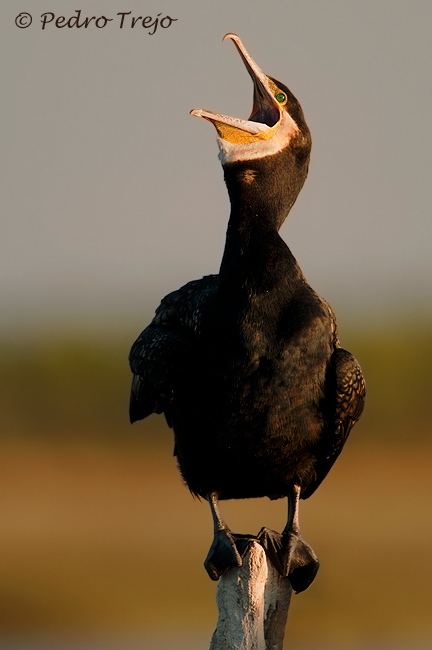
(246, 365)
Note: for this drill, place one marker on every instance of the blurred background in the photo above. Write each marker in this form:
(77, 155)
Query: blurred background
(112, 196)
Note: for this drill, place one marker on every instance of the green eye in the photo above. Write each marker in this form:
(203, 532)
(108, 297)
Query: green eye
(280, 97)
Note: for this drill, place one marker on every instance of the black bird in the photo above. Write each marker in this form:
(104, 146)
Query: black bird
(246, 365)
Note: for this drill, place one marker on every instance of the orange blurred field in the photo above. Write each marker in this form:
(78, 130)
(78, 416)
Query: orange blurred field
(106, 539)
(100, 539)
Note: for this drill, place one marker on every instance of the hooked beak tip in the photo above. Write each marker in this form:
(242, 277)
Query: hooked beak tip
(234, 37)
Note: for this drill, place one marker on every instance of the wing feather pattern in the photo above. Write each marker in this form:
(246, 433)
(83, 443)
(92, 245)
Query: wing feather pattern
(159, 354)
(350, 396)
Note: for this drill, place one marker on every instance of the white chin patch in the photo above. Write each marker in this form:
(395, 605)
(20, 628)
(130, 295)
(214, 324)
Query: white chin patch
(229, 152)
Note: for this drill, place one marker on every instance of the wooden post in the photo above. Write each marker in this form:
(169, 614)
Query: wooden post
(253, 602)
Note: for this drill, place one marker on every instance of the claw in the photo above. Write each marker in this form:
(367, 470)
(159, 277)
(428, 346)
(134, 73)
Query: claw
(272, 543)
(222, 555)
(304, 565)
(290, 556)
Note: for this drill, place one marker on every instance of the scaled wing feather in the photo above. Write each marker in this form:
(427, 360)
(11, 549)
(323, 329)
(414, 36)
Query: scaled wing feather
(350, 396)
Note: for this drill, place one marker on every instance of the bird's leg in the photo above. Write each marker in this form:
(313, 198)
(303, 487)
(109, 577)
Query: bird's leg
(223, 552)
(290, 555)
(301, 562)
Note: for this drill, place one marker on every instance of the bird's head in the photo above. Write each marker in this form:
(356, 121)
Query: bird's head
(266, 157)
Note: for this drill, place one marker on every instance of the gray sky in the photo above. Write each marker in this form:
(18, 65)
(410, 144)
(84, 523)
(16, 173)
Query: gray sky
(112, 195)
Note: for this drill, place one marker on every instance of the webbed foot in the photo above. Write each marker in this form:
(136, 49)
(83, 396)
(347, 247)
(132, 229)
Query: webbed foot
(223, 554)
(290, 556)
(303, 567)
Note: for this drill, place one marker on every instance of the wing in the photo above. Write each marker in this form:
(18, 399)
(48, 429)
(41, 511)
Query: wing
(158, 356)
(350, 396)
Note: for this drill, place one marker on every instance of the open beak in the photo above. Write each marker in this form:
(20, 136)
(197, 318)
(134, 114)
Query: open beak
(266, 115)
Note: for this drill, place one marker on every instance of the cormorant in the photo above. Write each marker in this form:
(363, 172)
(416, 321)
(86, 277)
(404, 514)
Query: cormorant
(246, 365)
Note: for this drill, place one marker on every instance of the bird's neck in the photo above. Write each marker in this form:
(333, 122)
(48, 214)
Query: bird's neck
(256, 259)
